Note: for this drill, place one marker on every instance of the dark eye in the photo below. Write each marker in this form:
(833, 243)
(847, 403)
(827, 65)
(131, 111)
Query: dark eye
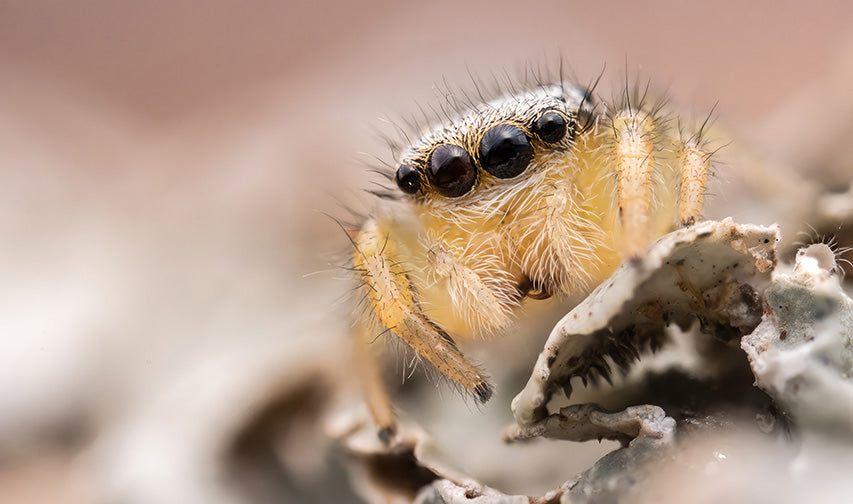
(408, 179)
(451, 171)
(550, 127)
(505, 151)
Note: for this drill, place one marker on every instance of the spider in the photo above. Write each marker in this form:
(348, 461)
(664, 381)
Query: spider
(541, 191)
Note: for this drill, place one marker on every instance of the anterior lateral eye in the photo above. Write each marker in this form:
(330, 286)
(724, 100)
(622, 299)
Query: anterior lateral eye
(408, 179)
(451, 170)
(505, 151)
(551, 127)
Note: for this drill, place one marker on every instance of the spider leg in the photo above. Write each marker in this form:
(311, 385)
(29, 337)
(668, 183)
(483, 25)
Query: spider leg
(394, 306)
(633, 135)
(695, 164)
(373, 384)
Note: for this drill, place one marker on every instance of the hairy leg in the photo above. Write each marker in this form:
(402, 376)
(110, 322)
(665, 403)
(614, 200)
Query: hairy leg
(695, 165)
(373, 383)
(393, 306)
(634, 156)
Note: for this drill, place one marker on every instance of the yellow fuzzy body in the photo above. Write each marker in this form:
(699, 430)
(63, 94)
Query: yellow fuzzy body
(434, 267)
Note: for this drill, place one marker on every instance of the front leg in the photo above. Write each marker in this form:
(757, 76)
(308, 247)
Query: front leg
(393, 307)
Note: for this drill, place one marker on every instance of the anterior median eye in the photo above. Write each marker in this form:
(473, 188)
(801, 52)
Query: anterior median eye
(505, 151)
(451, 171)
(550, 127)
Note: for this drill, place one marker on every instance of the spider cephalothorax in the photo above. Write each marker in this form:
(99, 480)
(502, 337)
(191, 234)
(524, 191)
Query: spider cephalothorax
(536, 193)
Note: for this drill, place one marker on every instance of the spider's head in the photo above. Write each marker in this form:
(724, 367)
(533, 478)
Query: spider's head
(493, 146)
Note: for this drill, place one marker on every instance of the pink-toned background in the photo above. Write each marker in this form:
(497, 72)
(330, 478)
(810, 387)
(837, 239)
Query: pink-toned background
(164, 168)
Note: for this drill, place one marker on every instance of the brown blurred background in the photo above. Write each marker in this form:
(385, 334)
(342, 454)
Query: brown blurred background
(164, 168)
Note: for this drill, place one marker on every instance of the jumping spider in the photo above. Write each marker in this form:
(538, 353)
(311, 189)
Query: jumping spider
(539, 192)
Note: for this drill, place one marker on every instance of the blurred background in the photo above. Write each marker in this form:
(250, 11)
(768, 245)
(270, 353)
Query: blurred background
(170, 316)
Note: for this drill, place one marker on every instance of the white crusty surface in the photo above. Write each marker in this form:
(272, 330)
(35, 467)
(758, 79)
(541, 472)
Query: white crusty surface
(713, 272)
(802, 352)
